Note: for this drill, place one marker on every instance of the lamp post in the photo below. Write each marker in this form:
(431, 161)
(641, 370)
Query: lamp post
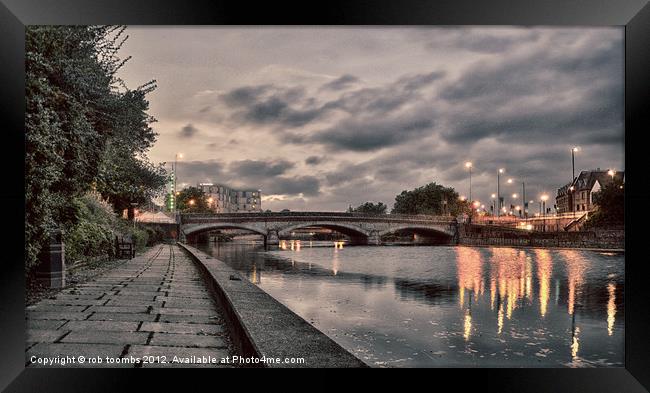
(523, 199)
(178, 155)
(499, 172)
(544, 199)
(494, 207)
(573, 178)
(468, 165)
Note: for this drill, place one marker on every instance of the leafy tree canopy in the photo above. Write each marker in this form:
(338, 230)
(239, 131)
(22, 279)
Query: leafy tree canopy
(192, 200)
(433, 199)
(370, 208)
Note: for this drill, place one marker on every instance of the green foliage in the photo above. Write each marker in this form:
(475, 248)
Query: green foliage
(370, 208)
(93, 234)
(79, 117)
(610, 202)
(192, 200)
(430, 199)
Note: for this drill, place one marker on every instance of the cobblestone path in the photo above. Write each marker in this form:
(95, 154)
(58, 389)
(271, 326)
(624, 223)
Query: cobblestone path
(155, 306)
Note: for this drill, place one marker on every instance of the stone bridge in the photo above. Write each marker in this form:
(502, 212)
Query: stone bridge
(361, 228)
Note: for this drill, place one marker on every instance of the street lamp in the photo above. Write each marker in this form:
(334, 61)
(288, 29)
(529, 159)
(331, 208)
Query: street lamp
(494, 207)
(573, 162)
(178, 155)
(573, 178)
(499, 172)
(544, 198)
(468, 165)
(611, 172)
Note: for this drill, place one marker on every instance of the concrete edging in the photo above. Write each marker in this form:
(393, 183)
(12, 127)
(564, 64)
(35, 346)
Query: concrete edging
(262, 327)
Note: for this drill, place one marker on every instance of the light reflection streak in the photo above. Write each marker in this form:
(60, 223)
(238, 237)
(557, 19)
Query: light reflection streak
(575, 266)
(544, 273)
(611, 308)
(575, 343)
(467, 325)
(469, 266)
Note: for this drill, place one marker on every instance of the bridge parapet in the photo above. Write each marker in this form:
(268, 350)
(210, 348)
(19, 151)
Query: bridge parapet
(297, 216)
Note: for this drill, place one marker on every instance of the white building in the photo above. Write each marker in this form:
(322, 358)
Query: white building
(223, 199)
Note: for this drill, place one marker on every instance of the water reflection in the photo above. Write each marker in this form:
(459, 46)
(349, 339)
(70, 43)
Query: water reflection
(544, 273)
(449, 306)
(575, 266)
(611, 308)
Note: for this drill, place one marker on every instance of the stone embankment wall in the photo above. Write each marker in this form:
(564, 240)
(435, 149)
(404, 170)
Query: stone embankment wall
(485, 235)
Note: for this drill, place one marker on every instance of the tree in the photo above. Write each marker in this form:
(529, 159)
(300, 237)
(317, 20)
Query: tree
(433, 199)
(76, 106)
(370, 208)
(610, 202)
(192, 200)
(125, 179)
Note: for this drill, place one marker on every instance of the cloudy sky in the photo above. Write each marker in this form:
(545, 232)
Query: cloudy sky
(320, 118)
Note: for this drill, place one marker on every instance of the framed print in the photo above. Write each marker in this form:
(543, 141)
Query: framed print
(437, 185)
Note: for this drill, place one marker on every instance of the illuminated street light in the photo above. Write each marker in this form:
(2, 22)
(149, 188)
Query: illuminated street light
(515, 195)
(544, 198)
(468, 165)
(191, 202)
(509, 181)
(498, 207)
(611, 172)
(574, 149)
(178, 155)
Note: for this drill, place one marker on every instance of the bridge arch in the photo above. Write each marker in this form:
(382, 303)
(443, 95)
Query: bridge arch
(351, 230)
(419, 229)
(196, 229)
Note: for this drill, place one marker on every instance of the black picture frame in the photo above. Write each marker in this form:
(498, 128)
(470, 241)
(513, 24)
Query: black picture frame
(633, 14)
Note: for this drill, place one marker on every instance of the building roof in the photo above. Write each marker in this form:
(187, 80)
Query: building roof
(587, 179)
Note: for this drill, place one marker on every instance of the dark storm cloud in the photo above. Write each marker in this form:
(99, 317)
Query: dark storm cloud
(549, 96)
(372, 134)
(314, 160)
(270, 176)
(259, 169)
(306, 185)
(387, 98)
(244, 95)
(347, 172)
(188, 131)
(193, 172)
(479, 40)
(341, 82)
(271, 105)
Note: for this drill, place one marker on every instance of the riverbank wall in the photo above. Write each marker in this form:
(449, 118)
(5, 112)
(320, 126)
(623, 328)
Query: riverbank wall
(485, 235)
(263, 328)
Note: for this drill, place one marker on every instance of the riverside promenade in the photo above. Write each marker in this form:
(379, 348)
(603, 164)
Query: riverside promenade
(155, 307)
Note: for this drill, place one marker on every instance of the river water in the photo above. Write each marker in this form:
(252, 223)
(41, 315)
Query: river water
(448, 306)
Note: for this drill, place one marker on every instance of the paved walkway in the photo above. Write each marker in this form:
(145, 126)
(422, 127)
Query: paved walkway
(155, 306)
